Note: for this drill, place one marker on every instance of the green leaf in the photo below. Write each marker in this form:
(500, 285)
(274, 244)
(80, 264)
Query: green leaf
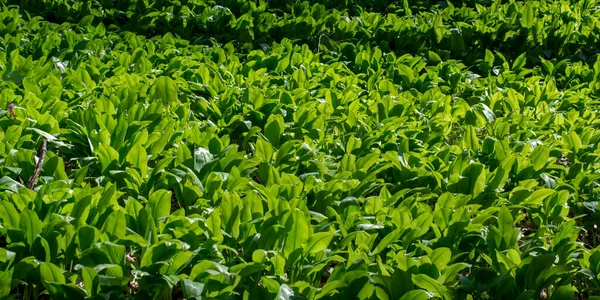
(387, 240)
(107, 156)
(540, 156)
(5, 283)
(9, 215)
(434, 58)
(6, 255)
(201, 157)
(274, 129)
(438, 28)
(159, 204)
(10, 184)
(477, 178)
(138, 157)
(30, 225)
(178, 262)
(431, 285)
(264, 150)
(505, 220)
(470, 139)
(192, 289)
(50, 273)
(450, 272)
(318, 242)
(86, 236)
(527, 18)
(166, 90)
(115, 224)
(415, 295)
(297, 232)
(65, 291)
(90, 280)
(247, 269)
(440, 257)
(457, 43)
(285, 292)
(519, 63)
(486, 111)
(114, 252)
(330, 288)
(489, 58)
(573, 141)
(80, 175)
(161, 251)
(401, 283)
(214, 225)
(537, 197)
(81, 210)
(564, 292)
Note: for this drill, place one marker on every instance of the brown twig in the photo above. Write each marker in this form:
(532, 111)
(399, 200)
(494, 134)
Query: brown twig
(38, 166)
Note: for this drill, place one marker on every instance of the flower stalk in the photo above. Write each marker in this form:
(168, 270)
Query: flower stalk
(11, 110)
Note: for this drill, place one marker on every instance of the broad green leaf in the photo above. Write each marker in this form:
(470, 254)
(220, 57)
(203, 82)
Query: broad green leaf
(201, 157)
(387, 240)
(431, 285)
(192, 289)
(450, 272)
(50, 273)
(81, 210)
(30, 225)
(330, 288)
(107, 156)
(166, 90)
(470, 139)
(285, 292)
(401, 283)
(527, 17)
(274, 129)
(6, 255)
(91, 280)
(438, 28)
(537, 197)
(9, 215)
(161, 251)
(489, 58)
(5, 283)
(318, 242)
(298, 232)
(505, 220)
(138, 157)
(159, 204)
(440, 257)
(415, 295)
(179, 261)
(214, 225)
(115, 224)
(519, 63)
(540, 156)
(247, 269)
(264, 150)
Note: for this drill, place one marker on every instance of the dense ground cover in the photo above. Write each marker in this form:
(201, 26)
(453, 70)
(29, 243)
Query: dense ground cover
(280, 149)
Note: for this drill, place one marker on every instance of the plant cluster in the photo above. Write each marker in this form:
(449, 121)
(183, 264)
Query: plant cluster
(237, 149)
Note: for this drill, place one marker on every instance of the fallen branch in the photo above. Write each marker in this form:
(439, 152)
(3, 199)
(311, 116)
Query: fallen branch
(38, 166)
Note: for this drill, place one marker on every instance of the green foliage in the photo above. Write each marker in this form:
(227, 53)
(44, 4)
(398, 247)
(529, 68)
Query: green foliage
(318, 150)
